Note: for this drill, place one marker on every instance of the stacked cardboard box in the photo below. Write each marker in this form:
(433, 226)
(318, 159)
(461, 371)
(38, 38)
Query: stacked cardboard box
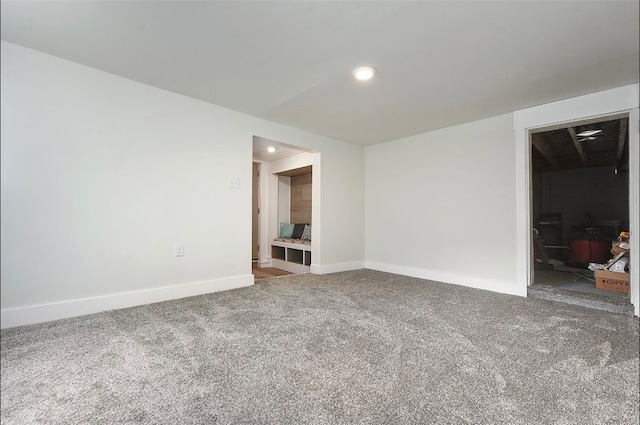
(613, 281)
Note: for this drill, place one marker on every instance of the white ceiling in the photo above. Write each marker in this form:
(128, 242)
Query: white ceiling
(439, 63)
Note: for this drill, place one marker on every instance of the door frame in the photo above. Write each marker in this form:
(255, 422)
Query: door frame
(621, 101)
(255, 211)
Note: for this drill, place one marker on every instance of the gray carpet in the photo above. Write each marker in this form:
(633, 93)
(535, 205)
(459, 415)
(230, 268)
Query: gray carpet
(348, 348)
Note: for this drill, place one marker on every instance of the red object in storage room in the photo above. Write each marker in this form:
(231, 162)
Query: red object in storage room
(585, 251)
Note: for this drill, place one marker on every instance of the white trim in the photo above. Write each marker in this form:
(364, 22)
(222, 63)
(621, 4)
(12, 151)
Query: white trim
(634, 207)
(524, 254)
(451, 278)
(316, 208)
(335, 268)
(606, 102)
(264, 203)
(622, 100)
(19, 316)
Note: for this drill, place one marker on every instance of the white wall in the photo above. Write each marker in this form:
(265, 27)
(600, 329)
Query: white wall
(337, 174)
(102, 176)
(303, 159)
(441, 205)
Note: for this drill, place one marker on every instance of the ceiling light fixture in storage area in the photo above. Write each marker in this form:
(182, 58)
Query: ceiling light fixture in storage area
(587, 133)
(271, 149)
(364, 73)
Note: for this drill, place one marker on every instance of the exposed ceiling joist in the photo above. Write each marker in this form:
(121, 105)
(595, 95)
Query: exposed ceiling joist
(609, 148)
(581, 153)
(542, 145)
(622, 137)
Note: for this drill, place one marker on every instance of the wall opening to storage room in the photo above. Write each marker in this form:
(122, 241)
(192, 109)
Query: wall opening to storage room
(580, 205)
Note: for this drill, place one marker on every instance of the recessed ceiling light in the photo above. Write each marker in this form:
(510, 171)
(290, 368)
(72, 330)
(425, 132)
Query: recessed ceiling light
(364, 73)
(271, 149)
(587, 133)
(586, 139)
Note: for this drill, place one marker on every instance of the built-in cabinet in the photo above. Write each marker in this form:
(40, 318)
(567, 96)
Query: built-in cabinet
(292, 257)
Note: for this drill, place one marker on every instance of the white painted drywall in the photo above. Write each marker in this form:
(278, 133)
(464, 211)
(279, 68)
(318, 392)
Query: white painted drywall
(441, 205)
(339, 171)
(102, 176)
(303, 159)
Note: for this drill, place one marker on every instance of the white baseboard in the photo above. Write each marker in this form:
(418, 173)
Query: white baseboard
(511, 288)
(46, 312)
(335, 268)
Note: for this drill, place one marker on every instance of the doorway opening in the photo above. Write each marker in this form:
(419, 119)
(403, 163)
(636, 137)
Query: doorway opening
(286, 197)
(579, 208)
(255, 208)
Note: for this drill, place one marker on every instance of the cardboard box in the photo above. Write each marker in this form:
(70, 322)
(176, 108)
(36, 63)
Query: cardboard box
(612, 281)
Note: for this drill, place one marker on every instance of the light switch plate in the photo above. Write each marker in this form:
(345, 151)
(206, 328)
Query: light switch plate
(234, 182)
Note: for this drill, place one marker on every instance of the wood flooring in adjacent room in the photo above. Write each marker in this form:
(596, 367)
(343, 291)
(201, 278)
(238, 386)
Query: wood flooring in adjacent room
(265, 272)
